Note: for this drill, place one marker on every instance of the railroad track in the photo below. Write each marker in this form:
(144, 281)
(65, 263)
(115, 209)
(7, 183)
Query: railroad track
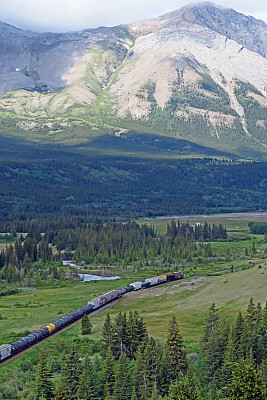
(9, 359)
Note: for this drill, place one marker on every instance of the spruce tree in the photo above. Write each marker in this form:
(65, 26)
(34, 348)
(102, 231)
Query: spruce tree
(120, 327)
(213, 344)
(152, 357)
(165, 372)
(122, 385)
(247, 383)
(84, 391)
(71, 372)
(186, 388)
(44, 382)
(139, 373)
(136, 332)
(109, 373)
(238, 331)
(92, 380)
(176, 350)
(108, 335)
(86, 325)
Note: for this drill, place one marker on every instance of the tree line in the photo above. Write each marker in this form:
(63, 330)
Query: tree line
(230, 365)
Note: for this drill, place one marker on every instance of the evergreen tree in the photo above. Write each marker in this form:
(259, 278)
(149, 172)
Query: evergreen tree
(151, 356)
(186, 388)
(71, 372)
(136, 332)
(122, 385)
(247, 383)
(44, 383)
(176, 350)
(108, 335)
(109, 373)
(93, 382)
(139, 373)
(86, 325)
(84, 391)
(165, 375)
(120, 326)
(238, 331)
(249, 337)
(213, 343)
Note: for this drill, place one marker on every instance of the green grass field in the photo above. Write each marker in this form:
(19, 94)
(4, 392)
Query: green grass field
(230, 292)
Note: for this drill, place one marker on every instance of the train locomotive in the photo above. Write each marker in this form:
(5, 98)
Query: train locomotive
(8, 350)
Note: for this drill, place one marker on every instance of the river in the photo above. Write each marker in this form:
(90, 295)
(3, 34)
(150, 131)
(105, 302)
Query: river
(89, 277)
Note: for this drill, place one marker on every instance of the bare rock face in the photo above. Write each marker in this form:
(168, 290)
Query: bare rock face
(31, 60)
(198, 72)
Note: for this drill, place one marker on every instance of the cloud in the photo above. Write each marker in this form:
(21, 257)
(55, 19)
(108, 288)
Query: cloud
(63, 15)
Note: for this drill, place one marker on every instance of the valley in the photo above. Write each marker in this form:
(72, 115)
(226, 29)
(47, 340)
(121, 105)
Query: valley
(135, 151)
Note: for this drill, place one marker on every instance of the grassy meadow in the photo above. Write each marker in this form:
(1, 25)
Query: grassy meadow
(32, 308)
(230, 292)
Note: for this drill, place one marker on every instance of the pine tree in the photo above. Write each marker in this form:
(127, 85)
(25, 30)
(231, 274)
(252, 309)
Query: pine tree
(84, 391)
(44, 383)
(71, 372)
(249, 337)
(120, 326)
(213, 344)
(238, 330)
(122, 386)
(165, 372)
(247, 383)
(109, 373)
(151, 356)
(108, 335)
(136, 332)
(176, 350)
(86, 325)
(186, 388)
(139, 372)
(92, 379)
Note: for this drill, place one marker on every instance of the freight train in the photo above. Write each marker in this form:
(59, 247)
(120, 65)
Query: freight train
(8, 350)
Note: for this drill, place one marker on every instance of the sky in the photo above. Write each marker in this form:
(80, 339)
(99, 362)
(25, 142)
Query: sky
(69, 15)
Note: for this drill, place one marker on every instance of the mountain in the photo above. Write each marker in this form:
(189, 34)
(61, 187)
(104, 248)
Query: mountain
(198, 73)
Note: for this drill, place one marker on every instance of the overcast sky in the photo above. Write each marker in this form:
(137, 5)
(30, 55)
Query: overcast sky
(65, 15)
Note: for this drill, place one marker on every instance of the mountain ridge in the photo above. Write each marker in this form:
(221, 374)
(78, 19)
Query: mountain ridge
(197, 73)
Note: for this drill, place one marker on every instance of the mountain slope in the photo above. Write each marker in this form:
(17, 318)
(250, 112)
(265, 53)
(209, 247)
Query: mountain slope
(198, 73)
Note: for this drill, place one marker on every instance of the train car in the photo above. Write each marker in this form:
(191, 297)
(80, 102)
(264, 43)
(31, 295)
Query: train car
(136, 285)
(95, 302)
(109, 296)
(153, 281)
(51, 328)
(122, 291)
(162, 279)
(145, 284)
(129, 288)
(5, 351)
(88, 308)
(31, 338)
(170, 277)
(178, 275)
(39, 334)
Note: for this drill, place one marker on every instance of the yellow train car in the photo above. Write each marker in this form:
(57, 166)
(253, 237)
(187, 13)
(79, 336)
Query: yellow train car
(162, 278)
(51, 328)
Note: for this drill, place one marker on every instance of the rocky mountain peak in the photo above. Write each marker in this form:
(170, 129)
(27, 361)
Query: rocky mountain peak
(245, 30)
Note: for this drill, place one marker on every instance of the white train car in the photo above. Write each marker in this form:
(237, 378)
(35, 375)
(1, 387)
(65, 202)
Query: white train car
(136, 285)
(5, 351)
(152, 281)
